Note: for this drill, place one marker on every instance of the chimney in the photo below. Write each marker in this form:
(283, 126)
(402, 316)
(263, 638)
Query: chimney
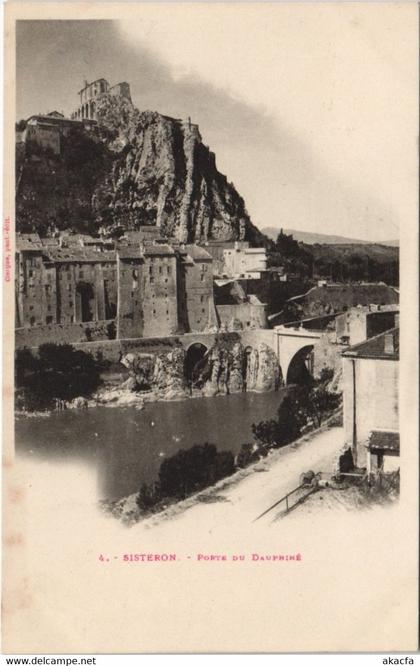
(389, 344)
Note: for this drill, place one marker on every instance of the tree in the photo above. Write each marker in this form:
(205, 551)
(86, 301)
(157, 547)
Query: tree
(20, 125)
(191, 470)
(59, 371)
(148, 496)
(285, 428)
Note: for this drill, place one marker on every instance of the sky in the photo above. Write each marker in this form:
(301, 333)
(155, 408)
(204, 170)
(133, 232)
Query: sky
(310, 109)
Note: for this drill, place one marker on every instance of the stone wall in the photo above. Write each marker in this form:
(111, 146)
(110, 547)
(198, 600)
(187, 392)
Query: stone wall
(64, 333)
(44, 137)
(242, 316)
(327, 355)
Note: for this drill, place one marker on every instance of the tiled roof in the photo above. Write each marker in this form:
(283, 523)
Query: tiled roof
(198, 253)
(384, 346)
(158, 249)
(130, 252)
(339, 295)
(386, 440)
(78, 255)
(27, 242)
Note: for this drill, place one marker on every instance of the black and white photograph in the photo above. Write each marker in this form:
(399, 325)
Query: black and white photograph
(204, 292)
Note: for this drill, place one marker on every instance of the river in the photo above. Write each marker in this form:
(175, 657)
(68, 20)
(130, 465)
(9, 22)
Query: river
(127, 446)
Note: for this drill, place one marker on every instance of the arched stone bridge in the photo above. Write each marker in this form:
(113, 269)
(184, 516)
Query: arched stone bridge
(292, 346)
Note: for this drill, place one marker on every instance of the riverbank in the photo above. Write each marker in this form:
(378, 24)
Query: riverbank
(115, 396)
(127, 446)
(128, 511)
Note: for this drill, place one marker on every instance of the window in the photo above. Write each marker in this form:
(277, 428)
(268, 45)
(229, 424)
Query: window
(154, 312)
(203, 310)
(70, 304)
(49, 319)
(49, 308)
(201, 298)
(31, 274)
(168, 270)
(31, 307)
(160, 269)
(152, 279)
(32, 321)
(71, 319)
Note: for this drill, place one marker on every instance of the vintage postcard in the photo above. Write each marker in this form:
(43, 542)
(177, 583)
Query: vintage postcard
(210, 324)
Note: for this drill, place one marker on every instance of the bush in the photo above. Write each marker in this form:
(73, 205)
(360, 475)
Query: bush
(324, 400)
(326, 375)
(282, 430)
(59, 371)
(249, 454)
(191, 470)
(148, 496)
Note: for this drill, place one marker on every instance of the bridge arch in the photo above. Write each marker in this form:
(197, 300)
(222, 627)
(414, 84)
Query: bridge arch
(300, 366)
(194, 361)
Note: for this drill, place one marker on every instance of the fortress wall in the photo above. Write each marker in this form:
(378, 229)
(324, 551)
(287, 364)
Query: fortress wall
(63, 333)
(111, 350)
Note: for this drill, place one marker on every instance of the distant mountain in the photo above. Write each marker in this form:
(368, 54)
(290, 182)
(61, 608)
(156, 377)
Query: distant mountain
(323, 239)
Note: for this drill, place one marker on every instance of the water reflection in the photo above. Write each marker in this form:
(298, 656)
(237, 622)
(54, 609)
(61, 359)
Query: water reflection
(127, 446)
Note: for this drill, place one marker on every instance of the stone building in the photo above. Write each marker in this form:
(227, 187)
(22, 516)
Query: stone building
(243, 261)
(370, 394)
(196, 298)
(147, 291)
(359, 324)
(236, 259)
(56, 285)
(90, 93)
(73, 286)
(36, 294)
(329, 298)
(46, 131)
(237, 310)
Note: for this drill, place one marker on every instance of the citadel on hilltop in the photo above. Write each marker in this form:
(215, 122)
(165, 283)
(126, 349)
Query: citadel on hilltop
(90, 93)
(46, 130)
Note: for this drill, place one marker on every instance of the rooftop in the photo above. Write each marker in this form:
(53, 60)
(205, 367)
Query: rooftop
(197, 252)
(350, 294)
(77, 255)
(385, 440)
(28, 242)
(158, 249)
(383, 346)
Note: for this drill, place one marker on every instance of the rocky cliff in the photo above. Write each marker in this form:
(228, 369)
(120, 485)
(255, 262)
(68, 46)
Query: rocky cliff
(222, 371)
(137, 168)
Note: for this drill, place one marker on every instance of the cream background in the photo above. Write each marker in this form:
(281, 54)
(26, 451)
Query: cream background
(357, 587)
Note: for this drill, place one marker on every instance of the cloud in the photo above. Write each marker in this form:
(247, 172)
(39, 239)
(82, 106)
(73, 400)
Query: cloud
(302, 105)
